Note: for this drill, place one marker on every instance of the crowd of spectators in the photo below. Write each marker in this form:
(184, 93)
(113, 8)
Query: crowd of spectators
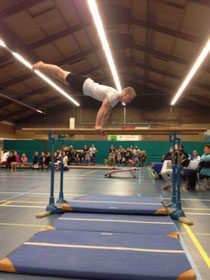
(11, 160)
(129, 156)
(71, 156)
(201, 165)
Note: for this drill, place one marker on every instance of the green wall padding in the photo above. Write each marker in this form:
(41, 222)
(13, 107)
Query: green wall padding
(154, 149)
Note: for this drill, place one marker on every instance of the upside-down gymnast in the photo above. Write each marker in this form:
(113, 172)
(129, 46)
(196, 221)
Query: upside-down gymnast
(107, 95)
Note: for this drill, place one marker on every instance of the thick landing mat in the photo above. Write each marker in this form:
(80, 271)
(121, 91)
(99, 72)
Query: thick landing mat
(116, 205)
(101, 256)
(151, 225)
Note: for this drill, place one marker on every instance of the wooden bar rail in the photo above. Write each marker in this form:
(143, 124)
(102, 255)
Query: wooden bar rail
(117, 131)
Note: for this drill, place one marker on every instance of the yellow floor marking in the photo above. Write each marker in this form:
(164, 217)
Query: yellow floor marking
(116, 221)
(91, 201)
(89, 172)
(22, 225)
(198, 245)
(200, 209)
(197, 233)
(24, 201)
(104, 247)
(6, 203)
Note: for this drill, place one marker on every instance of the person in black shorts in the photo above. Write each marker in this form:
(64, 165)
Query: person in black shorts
(107, 95)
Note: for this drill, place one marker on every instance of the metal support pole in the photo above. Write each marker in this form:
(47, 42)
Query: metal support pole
(61, 195)
(51, 200)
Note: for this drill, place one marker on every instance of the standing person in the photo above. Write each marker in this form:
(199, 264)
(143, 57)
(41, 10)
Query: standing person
(107, 95)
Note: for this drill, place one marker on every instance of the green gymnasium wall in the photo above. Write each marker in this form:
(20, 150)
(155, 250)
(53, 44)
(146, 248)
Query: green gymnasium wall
(154, 149)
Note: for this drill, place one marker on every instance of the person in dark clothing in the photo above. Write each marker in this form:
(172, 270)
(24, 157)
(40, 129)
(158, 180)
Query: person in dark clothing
(42, 161)
(35, 160)
(47, 160)
(168, 155)
(203, 168)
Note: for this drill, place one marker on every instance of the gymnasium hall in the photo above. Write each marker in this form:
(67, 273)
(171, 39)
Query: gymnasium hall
(105, 139)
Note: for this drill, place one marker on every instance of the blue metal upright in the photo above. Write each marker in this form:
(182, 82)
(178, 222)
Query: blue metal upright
(176, 169)
(51, 207)
(61, 195)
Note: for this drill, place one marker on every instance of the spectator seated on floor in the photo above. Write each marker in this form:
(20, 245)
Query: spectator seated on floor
(13, 163)
(23, 160)
(9, 160)
(122, 151)
(111, 160)
(143, 158)
(128, 156)
(203, 168)
(42, 161)
(81, 157)
(35, 160)
(136, 156)
(4, 158)
(17, 158)
(74, 156)
(118, 158)
(92, 154)
(48, 160)
(87, 157)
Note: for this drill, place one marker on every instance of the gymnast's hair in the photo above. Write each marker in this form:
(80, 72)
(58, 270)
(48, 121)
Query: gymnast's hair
(207, 145)
(130, 91)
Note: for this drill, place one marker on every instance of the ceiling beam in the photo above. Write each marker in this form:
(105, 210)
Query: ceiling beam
(196, 100)
(20, 111)
(201, 2)
(122, 16)
(22, 6)
(81, 55)
(171, 75)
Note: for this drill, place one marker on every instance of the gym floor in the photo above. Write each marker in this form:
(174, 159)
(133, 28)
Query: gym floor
(25, 193)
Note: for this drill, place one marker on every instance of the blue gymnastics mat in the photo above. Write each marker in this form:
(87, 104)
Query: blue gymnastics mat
(116, 205)
(141, 224)
(97, 255)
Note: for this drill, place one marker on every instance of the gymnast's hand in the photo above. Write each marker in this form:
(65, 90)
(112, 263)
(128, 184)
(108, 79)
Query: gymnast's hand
(99, 130)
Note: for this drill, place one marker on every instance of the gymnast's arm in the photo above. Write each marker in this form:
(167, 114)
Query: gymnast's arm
(51, 69)
(103, 114)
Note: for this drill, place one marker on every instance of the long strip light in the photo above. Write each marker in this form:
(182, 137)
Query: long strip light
(40, 74)
(192, 72)
(22, 104)
(101, 32)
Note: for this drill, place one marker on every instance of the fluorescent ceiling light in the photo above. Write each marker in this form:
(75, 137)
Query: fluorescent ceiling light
(2, 44)
(21, 103)
(99, 26)
(40, 112)
(21, 59)
(41, 75)
(47, 80)
(195, 67)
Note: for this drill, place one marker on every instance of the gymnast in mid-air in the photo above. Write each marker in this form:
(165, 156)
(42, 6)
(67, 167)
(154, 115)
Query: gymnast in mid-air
(107, 95)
